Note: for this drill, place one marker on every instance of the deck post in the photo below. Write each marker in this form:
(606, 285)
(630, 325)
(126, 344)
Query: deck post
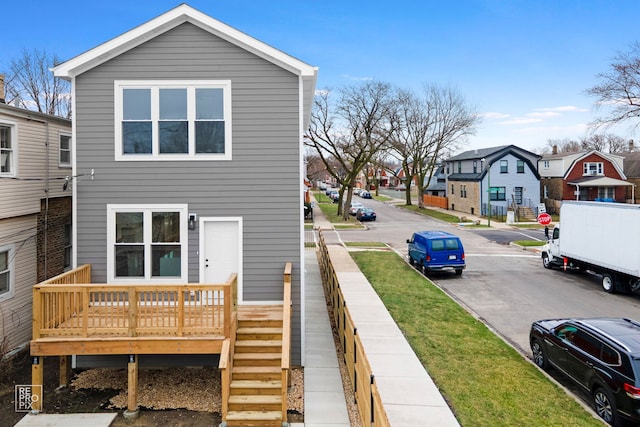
(64, 370)
(132, 392)
(37, 381)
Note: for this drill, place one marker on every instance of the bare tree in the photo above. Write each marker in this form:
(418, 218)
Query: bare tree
(30, 84)
(437, 120)
(351, 131)
(619, 89)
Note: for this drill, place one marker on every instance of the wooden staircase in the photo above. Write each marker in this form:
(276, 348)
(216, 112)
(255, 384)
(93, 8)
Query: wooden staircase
(256, 388)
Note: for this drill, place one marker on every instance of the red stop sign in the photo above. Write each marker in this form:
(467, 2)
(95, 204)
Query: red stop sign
(544, 219)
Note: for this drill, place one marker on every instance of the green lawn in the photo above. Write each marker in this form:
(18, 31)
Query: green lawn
(486, 382)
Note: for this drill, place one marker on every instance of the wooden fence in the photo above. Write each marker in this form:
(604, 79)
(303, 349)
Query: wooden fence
(370, 407)
(435, 201)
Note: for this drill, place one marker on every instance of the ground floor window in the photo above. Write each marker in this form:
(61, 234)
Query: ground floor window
(497, 193)
(147, 243)
(606, 193)
(7, 272)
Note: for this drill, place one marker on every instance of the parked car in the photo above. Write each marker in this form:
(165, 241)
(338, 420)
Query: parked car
(436, 251)
(601, 355)
(334, 195)
(365, 194)
(354, 207)
(365, 214)
(357, 191)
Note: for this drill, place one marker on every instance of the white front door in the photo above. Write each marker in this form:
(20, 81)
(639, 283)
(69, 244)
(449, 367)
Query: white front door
(221, 250)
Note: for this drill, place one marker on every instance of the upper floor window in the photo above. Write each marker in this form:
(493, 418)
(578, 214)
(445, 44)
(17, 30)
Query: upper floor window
(7, 273)
(173, 120)
(463, 191)
(520, 166)
(475, 166)
(7, 149)
(147, 243)
(545, 164)
(504, 166)
(459, 167)
(65, 150)
(592, 168)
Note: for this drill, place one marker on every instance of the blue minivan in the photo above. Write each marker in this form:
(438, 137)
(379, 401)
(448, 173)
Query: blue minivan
(436, 251)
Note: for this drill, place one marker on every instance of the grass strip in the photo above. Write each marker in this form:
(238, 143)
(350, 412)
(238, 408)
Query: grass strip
(484, 380)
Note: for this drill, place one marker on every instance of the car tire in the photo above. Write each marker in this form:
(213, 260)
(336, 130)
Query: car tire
(608, 283)
(546, 262)
(411, 262)
(605, 406)
(539, 356)
(459, 272)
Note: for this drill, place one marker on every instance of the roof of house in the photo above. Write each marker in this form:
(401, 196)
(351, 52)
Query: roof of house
(632, 164)
(478, 153)
(30, 114)
(175, 17)
(599, 181)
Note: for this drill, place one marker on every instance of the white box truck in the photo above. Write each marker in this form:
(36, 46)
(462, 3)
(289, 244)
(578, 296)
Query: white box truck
(600, 237)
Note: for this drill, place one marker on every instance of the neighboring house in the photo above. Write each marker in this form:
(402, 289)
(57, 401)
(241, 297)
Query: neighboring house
(502, 178)
(589, 175)
(188, 123)
(35, 212)
(438, 184)
(632, 172)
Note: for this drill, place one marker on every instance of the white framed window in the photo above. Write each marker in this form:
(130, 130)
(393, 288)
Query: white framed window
(7, 272)
(606, 193)
(64, 151)
(172, 120)
(545, 164)
(504, 166)
(147, 243)
(592, 168)
(68, 244)
(8, 148)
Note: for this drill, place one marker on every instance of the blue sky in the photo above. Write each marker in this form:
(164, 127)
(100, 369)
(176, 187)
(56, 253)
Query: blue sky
(523, 64)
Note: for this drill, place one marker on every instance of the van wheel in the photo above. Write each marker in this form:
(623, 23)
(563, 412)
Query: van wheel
(608, 283)
(459, 272)
(411, 261)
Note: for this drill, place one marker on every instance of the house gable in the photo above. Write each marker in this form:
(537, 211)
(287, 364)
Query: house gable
(186, 14)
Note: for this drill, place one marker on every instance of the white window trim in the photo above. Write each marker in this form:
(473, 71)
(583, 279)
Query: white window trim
(587, 168)
(60, 162)
(184, 243)
(12, 271)
(119, 85)
(14, 147)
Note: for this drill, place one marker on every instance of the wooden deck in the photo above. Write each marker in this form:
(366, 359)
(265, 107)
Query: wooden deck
(72, 316)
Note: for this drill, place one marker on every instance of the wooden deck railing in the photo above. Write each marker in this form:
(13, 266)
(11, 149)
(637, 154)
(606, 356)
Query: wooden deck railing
(65, 309)
(286, 336)
(81, 274)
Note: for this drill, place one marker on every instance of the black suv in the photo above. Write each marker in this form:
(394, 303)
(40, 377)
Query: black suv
(602, 355)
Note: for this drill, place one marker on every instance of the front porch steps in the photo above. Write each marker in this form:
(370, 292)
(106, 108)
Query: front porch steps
(256, 389)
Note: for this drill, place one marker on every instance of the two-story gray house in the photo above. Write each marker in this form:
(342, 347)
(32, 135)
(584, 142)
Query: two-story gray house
(498, 177)
(184, 125)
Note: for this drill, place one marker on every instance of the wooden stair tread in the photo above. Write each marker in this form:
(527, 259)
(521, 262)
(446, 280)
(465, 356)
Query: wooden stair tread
(257, 356)
(256, 398)
(256, 369)
(254, 415)
(259, 343)
(255, 384)
(258, 330)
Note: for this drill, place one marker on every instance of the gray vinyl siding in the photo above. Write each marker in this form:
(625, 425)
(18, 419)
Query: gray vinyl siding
(261, 183)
